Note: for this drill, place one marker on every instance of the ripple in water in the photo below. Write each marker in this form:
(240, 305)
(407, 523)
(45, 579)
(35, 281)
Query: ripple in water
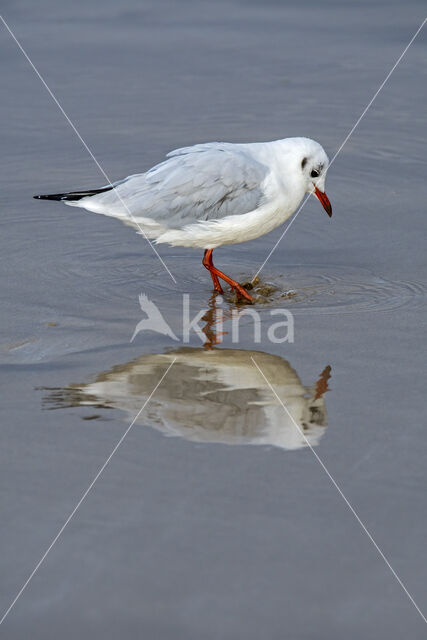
(302, 288)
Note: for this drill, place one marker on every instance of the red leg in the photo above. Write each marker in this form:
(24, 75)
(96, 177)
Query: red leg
(207, 262)
(215, 273)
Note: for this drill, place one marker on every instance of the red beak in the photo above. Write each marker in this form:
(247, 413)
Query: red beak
(324, 200)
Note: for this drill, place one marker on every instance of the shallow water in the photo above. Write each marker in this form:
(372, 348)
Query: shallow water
(199, 535)
(213, 396)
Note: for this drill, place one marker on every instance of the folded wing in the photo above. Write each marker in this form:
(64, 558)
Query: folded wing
(203, 182)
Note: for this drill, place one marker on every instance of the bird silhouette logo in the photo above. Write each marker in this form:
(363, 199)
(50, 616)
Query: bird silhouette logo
(154, 320)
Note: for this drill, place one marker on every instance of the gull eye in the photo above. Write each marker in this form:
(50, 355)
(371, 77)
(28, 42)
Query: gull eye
(314, 173)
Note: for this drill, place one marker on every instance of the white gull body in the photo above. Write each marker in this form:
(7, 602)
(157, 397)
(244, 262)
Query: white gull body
(216, 193)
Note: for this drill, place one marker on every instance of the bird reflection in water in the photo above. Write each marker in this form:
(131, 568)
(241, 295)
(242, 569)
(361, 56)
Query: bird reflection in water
(211, 395)
(214, 318)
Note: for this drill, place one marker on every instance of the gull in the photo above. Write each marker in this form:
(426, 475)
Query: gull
(213, 194)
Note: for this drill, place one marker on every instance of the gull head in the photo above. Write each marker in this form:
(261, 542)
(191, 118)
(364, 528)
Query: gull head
(313, 164)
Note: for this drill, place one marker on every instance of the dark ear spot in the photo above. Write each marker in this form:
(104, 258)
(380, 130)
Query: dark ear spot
(303, 163)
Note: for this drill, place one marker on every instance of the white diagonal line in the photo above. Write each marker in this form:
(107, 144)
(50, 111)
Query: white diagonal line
(340, 491)
(350, 133)
(72, 125)
(100, 471)
(280, 239)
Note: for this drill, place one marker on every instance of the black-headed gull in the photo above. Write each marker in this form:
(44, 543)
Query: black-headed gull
(213, 194)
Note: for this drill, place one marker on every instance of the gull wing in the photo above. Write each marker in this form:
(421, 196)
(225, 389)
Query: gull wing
(204, 182)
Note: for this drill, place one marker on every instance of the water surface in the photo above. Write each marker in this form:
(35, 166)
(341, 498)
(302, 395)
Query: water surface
(187, 536)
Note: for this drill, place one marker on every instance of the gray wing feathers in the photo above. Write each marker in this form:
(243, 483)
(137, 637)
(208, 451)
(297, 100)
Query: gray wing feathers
(203, 182)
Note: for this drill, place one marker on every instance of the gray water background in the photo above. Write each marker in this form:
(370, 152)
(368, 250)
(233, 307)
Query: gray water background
(187, 540)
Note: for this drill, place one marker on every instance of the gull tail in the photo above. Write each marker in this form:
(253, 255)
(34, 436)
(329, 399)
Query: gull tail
(73, 195)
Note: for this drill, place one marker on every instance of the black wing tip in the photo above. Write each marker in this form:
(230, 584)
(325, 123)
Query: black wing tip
(47, 197)
(72, 195)
(58, 196)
